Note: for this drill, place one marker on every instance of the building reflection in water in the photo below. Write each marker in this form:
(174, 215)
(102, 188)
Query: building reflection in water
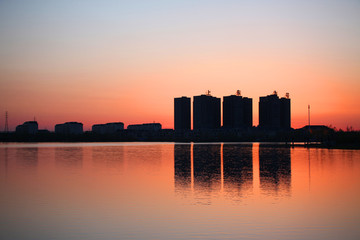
(111, 157)
(275, 170)
(182, 166)
(214, 167)
(207, 167)
(27, 157)
(69, 157)
(152, 162)
(4, 162)
(237, 167)
(211, 169)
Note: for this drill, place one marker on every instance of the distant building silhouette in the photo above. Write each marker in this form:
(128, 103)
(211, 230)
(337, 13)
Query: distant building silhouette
(319, 129)
(30, 127)
(145, 127)
(274, 112)
(206, 112)
(237, 112)
(69, 128)
(182, 113)
(108, 128)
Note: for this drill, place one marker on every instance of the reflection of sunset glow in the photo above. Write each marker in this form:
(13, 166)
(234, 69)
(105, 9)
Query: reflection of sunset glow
(131, 186)
(235, 166)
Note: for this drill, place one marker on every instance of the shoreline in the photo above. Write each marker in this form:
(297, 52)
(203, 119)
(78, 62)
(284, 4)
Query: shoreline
(272, 144)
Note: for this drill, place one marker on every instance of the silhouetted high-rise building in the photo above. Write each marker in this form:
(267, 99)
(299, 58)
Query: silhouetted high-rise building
(237, 112)
(285, 112)
(248, 109)
(182, 113)
(206, 112)
(274, 112)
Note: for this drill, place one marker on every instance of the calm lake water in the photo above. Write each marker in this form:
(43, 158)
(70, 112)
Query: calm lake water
(177, 191)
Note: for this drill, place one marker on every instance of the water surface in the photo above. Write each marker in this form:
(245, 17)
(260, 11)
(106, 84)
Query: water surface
(177, 191)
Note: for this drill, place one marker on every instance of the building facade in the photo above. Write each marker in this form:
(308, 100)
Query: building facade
(237, 112)
(145, 127)
(285, 113)
(182, 113)
(206, 112)
(108, 128)
(274, 112)
(69, 128)
(30, 127)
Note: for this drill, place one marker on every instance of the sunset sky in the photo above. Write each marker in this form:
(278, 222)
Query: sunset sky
(107, 61)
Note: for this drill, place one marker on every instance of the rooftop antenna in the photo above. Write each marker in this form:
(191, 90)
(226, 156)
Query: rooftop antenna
(238, 93)
(6, 129)
(287, 95)
(208, 93)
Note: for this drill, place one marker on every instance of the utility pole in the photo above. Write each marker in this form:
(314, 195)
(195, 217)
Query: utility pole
(309, 116)
(309, 124)
(6, 129)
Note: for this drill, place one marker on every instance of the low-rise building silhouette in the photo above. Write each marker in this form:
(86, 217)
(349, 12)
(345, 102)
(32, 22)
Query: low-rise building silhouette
(182, 113)
(206, 112)
(145, 127)
(108, 128)
(237, 111)
(274, 112)
(30, 127)
(69, 128)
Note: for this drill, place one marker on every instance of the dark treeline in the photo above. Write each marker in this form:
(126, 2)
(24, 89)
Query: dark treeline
(317, 138)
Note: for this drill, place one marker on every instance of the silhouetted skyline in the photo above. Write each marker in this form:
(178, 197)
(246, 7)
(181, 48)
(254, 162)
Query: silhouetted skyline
(236, 112)
(96, 62)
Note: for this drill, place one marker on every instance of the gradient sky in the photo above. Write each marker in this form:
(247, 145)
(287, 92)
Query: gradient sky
(105, 61)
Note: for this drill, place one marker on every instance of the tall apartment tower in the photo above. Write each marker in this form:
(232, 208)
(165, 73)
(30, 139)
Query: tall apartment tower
(274, 112)
(206, 112)
(182, 113)
(237, 111)
(285, 111)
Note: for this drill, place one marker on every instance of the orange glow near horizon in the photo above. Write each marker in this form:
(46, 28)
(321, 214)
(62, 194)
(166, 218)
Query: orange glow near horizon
(124, 67)
(148, 97)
